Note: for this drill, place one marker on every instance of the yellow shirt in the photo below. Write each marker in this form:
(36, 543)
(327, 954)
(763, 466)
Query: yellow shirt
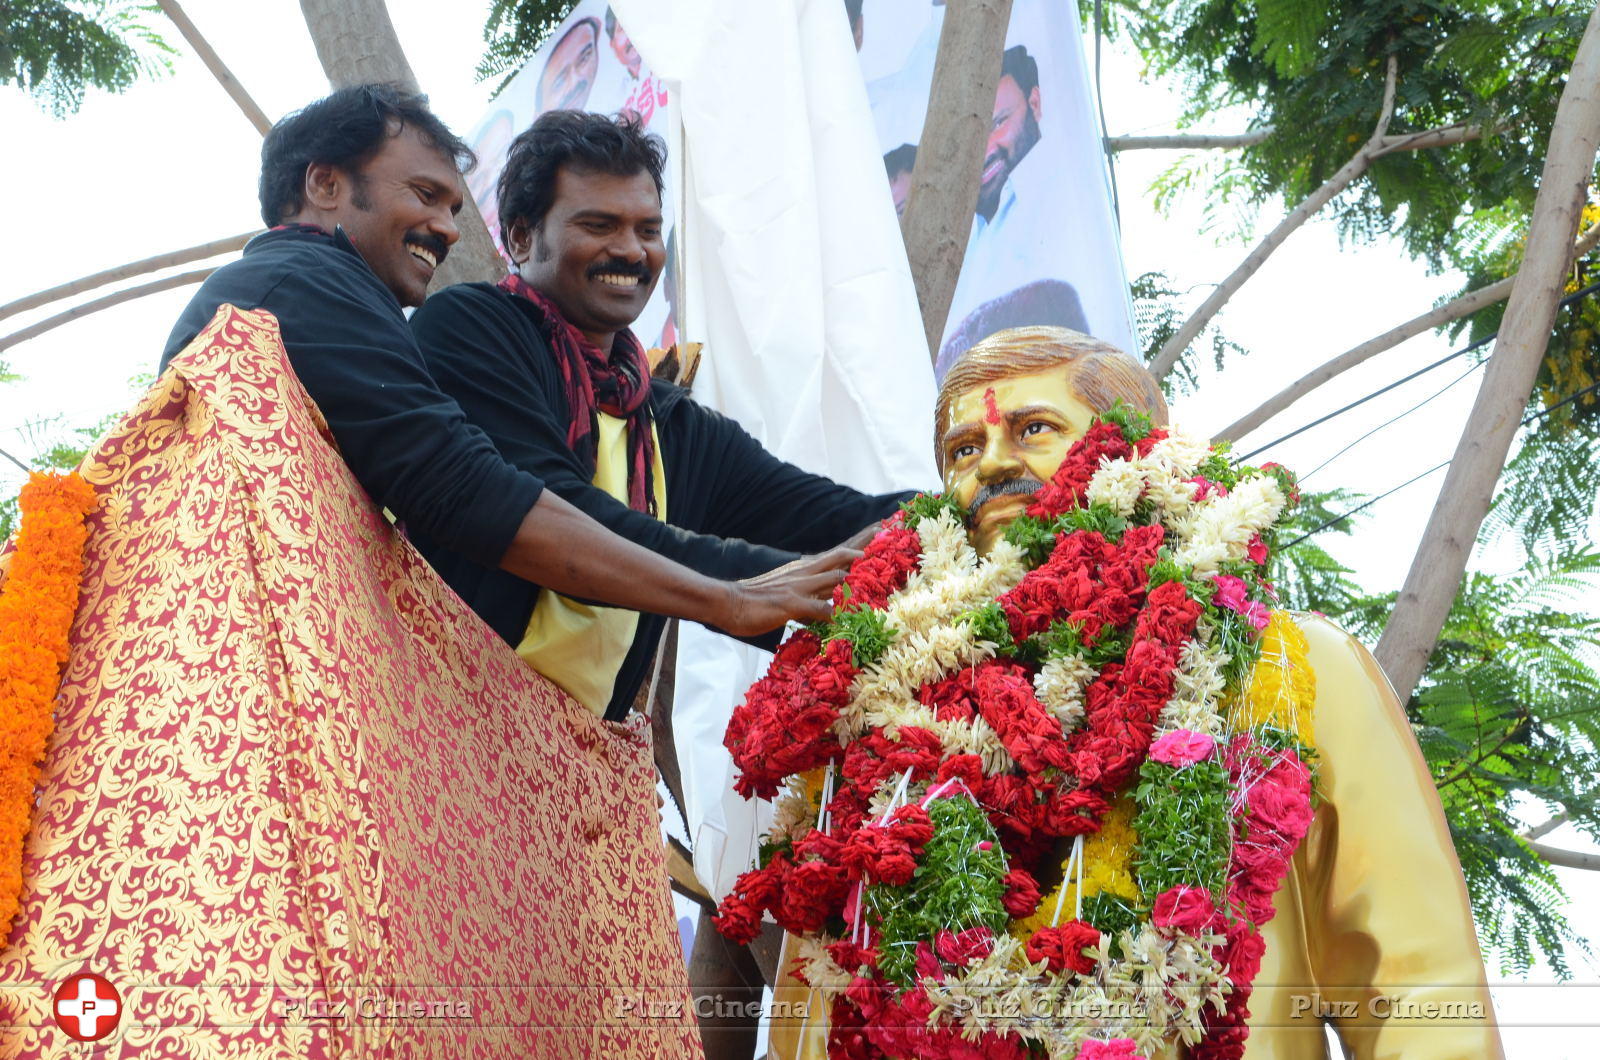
(578, 646)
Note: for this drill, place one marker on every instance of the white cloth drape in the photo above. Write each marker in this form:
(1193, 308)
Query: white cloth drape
(795, 278)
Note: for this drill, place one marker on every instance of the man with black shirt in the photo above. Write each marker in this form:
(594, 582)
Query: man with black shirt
(361, 192)
(545, 364)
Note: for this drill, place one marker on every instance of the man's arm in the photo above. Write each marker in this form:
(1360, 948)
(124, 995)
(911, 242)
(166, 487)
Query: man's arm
(760, 498)
(487, 356)
(561, 548)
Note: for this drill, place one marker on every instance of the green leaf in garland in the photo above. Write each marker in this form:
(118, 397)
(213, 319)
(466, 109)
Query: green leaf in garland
(929, 505)
(1100, 518)
(989, 623)
(957, 885)
(1111, 914)
(1034, 537)
(1135, 425)
(1183, 825)
(866, 629)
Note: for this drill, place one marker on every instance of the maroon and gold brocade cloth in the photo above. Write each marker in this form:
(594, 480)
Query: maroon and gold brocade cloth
(300, 801)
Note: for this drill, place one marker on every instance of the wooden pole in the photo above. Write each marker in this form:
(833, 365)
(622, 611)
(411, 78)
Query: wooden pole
(127, 294)
(944, 182)
(126, 272)
(1436, 571)
(357, 45)
(214, 63)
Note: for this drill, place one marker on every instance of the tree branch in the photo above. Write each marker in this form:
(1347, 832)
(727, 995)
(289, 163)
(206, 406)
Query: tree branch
(1569, 859)
(1446, 543)
(1391, 73)
(1443, 136)
(1549, 826)
(126, 272)
(1186, 141)
(1454, 309)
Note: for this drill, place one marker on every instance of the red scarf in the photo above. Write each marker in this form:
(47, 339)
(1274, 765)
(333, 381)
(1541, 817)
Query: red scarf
(618, 386)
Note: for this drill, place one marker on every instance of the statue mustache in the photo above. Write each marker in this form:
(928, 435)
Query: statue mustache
(1024, 485)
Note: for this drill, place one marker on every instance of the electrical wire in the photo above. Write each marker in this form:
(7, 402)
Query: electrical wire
(1365, 504)
(1392, 420)
(1568, 300)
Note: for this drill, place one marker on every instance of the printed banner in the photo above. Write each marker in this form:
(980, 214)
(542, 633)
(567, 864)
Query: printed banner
(1044, 247)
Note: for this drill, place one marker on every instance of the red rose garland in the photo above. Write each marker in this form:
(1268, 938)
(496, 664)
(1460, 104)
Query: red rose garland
(1061, 784)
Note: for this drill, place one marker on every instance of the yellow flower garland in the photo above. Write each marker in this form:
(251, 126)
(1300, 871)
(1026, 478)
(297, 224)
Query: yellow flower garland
(1282, 689)
(1107, 866)
(1281, 692)
(37, 605)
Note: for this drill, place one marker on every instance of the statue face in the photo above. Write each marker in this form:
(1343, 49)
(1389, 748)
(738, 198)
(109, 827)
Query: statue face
(1005, 440)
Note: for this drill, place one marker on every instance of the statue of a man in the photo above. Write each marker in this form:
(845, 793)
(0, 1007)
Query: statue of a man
(1371, 931)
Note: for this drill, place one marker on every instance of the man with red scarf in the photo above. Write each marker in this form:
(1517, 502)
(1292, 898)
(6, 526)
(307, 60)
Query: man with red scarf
(545, 364)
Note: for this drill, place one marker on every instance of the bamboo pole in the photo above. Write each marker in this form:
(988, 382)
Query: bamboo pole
(126, 272)
(127, 294)
(214, 63)
(1436, 571)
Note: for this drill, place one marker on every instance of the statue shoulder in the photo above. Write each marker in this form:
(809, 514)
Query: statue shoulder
(1331, 647)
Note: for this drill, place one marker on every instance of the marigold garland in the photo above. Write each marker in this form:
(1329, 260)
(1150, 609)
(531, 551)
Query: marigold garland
(1052, 711)
(37, 605)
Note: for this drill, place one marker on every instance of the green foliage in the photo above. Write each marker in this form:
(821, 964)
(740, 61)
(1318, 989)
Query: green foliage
(1183, 826)
(929, 505)
(1159, 310)
(866, 629)
(55, 51)
(514, 30)
(1314, 73)
(956, 886)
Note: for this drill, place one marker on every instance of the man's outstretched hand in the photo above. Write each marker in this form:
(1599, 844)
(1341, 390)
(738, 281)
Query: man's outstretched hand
(801, 591)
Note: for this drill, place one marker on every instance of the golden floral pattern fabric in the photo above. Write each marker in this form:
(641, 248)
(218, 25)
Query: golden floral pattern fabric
(300, 801)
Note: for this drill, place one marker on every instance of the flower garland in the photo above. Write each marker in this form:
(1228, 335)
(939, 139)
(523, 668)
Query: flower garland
(1042, 798)
(37, 605)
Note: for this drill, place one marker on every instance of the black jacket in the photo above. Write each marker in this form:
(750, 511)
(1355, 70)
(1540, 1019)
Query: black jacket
(734, 509)
(408, 444)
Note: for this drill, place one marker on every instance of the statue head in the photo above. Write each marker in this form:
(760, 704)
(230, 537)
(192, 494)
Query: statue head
(1013, 405)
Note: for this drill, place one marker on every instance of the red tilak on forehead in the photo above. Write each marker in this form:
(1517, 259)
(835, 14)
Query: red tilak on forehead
(992, 414)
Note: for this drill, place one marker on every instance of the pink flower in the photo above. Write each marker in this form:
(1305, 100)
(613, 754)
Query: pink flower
(1256, 614)
(1182, 748)
(1115, 1049)
(1185, 909)
(1231, 593)
(1207, 488)
(1257, 550)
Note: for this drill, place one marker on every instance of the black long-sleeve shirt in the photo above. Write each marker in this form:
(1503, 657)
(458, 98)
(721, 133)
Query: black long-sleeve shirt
(408, 444)
(734, 509)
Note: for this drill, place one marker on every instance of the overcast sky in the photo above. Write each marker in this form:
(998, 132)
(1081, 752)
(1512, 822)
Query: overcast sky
(173, 163)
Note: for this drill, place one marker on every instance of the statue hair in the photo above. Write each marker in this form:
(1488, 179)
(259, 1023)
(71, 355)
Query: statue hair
(1098, 373)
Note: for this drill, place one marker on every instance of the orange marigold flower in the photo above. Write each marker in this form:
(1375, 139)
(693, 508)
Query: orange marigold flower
(37, 605)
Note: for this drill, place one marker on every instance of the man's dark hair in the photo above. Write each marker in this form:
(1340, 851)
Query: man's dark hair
(1018, 65)
(346, 130)
(853, 9)
(611, 23)
(589, 143)
(901, 160)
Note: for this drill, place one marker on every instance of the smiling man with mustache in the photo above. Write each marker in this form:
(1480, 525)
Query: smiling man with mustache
(546, 364)
(361, 190)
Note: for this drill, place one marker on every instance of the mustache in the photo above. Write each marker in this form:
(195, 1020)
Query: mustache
(1022, 486)
(619, 267)
(431, 243)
